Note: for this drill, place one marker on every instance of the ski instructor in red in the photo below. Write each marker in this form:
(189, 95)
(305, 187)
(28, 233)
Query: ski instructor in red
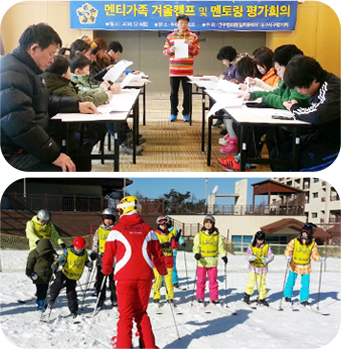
(136, 247)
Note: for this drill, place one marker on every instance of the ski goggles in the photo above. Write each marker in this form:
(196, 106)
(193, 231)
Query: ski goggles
(163, 221)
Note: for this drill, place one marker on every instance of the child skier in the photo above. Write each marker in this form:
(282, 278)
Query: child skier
(299, 252)
(168, 242)
(100, 238)
(176, 233)
(259, 255)
(38, 268)
(73, 259)
(207, 245)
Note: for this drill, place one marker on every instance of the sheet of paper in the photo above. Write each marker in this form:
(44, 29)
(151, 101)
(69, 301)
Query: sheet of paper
(228, 103)
(78, 117)
(228, 86)
(129, 78)
(116, 71)
(181, 49)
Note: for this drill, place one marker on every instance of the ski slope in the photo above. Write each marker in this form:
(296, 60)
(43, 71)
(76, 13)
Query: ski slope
(260, 328)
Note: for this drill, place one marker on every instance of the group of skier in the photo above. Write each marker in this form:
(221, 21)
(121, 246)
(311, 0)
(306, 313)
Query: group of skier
(131, 255)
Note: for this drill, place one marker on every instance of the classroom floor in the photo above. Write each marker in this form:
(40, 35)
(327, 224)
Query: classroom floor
(170, 147)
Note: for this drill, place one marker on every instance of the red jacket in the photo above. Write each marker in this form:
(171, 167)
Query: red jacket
(136, 248)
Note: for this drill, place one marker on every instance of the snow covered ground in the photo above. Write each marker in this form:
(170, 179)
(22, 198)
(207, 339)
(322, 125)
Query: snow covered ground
(261, 328)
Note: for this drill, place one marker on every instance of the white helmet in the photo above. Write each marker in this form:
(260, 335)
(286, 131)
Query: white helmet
(108, 211)
(43, 215)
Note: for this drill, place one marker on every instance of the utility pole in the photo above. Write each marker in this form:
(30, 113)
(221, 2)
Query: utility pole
(206, 193)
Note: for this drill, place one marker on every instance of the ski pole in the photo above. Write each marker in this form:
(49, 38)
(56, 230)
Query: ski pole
(225, 276)
(285, 277)
(176, 327)
(186, 269)
(86, 287)
(99, 294)
(195, 279)
(318, 294)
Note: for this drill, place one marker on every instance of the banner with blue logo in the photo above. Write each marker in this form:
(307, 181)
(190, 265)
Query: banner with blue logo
(203, 15)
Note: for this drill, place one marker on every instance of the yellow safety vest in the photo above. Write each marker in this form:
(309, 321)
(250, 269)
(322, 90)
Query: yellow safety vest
(301, 254)
(208, 245)
(42, 230)
(259, 253)
(165, 238)
(102, 238)
(73, 268)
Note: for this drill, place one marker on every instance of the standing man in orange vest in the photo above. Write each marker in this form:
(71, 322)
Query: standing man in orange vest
(299, 252)
(179, 68)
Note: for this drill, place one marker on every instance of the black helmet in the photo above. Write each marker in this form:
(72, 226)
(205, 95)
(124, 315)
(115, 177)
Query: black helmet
(260, 235)
(308, 228)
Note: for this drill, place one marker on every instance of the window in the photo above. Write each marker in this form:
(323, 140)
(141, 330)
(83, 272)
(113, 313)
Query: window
(277, 239)
(314, 215)
(315, 195)
(316, 180)
(241, 242)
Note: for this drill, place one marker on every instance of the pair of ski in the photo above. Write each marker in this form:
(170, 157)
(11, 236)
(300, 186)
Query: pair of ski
(298, 307)
(159, 310)
(98, 309)
(211, 307)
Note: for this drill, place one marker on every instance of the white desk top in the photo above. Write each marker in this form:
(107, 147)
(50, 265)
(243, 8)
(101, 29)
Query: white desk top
(243, 114)
(117, 110)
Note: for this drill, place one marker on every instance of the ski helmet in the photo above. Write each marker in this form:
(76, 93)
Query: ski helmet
(308, 228)
(171, 223)
(79, 242)
(43, 215)
(260, 235)
(209, 217)
(163, 220)
(129, 204)
(108, 213)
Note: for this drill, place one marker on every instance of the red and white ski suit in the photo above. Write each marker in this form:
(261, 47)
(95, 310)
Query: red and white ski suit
(136, 248)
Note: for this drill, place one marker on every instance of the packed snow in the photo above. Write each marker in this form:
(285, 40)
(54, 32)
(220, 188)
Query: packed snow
(249, 328)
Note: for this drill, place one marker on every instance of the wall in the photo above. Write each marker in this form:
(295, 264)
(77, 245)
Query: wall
(237, 225)
(314, 24)
(317, 34)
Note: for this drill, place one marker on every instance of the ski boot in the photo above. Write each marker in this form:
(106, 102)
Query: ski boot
(246, 298)
(263, 302)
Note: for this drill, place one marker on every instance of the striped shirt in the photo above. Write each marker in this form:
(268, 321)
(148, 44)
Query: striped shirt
(259, 270)
(181, 66)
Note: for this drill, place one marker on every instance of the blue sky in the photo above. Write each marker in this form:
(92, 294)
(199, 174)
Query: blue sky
(154, 188)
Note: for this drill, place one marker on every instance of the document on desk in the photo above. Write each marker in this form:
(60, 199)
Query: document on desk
(228, 86)
(227, 103)
(79, 117)
(181, 49)
(127, 80)
(117, 70)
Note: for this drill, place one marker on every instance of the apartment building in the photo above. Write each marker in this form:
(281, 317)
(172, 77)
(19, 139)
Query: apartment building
(322, 202)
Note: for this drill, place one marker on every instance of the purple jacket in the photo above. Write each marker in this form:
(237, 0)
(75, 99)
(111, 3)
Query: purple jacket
(259, 270)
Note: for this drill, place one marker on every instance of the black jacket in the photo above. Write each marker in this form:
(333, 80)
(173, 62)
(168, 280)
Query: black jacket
(26, 107)
(323, 113)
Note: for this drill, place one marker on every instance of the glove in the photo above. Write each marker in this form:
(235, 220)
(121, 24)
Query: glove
(177, 237)
(252, 258)
(289, 258)
(54, 267)
(93, 255)
(322, 260)
(265, 260)
(165, 245)
(197, 256)
(34, 276)
(90, 265)
(63, 245)
(225, 259)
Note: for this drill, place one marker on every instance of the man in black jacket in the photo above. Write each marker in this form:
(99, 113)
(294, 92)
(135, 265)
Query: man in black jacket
(26, 106)
(320, 147)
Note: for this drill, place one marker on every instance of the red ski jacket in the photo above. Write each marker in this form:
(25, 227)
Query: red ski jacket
(136, 248)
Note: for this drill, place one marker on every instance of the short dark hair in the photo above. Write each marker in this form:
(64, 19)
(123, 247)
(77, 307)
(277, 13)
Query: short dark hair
(284, 53)
(41, 34)
(79, 62)
(263, 56)
(302, 71)
(227, 52)
(115, 46)
(59, 66)
(79, 46)
(182, 16)
(245, 67)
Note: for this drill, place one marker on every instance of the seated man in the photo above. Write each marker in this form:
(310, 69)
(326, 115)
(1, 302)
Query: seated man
(25, 142)
(321, 146)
